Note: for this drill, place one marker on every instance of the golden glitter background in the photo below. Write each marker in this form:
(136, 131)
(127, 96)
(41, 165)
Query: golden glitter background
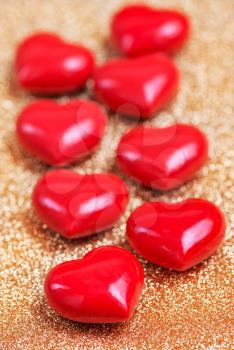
(190, 310)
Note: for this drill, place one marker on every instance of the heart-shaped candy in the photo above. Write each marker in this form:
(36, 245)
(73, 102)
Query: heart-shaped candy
(78, 205)
(176, 235)
(137, 87)
(59, 134)
(139, 29)
(162, 158)
(103, 287)
(45, 64)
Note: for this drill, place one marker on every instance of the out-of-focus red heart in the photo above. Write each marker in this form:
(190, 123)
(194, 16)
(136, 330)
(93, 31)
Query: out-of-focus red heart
(163, 158)
(60, 134)
(139, 29)
(137, 87)
(45, 64)
(76, 205)
(176, 235)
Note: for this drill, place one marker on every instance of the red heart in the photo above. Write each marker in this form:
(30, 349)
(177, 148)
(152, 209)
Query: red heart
(78, 205)
(46, 64)
(139, 29)
(163, 158)
(59, 134)
(138, 87)
(103, 287)
(177, 236)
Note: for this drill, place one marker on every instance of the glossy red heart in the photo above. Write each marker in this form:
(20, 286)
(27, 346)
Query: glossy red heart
(60, 134)
(45, 64)
(176, 235)
(162, 158)
(137, 87)
(76, 205)
(139, 29)
(103, 287)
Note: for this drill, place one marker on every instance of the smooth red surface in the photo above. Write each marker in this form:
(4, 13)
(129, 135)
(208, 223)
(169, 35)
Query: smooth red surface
(137, 87)
(139, 29)
(162, 158)
(177, 236)
(103, 287)
(76, 205)
(46, 64)
(59, 134)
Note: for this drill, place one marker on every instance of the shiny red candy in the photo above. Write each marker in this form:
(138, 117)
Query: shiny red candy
(139, 29)
(137, 87)
(76, 205)
(59, 134)
(177, 236)
(163, 158)
(103, 287)
(45, 64)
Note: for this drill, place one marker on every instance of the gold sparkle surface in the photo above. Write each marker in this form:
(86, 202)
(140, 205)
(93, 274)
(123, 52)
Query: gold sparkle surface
(189, 310)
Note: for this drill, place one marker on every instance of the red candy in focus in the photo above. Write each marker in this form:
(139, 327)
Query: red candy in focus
(163, 158)
(76, 205)
(176, 235)
(60, 134)
(137, 87)
(103, 287)
(45, 64)
(139, 29)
